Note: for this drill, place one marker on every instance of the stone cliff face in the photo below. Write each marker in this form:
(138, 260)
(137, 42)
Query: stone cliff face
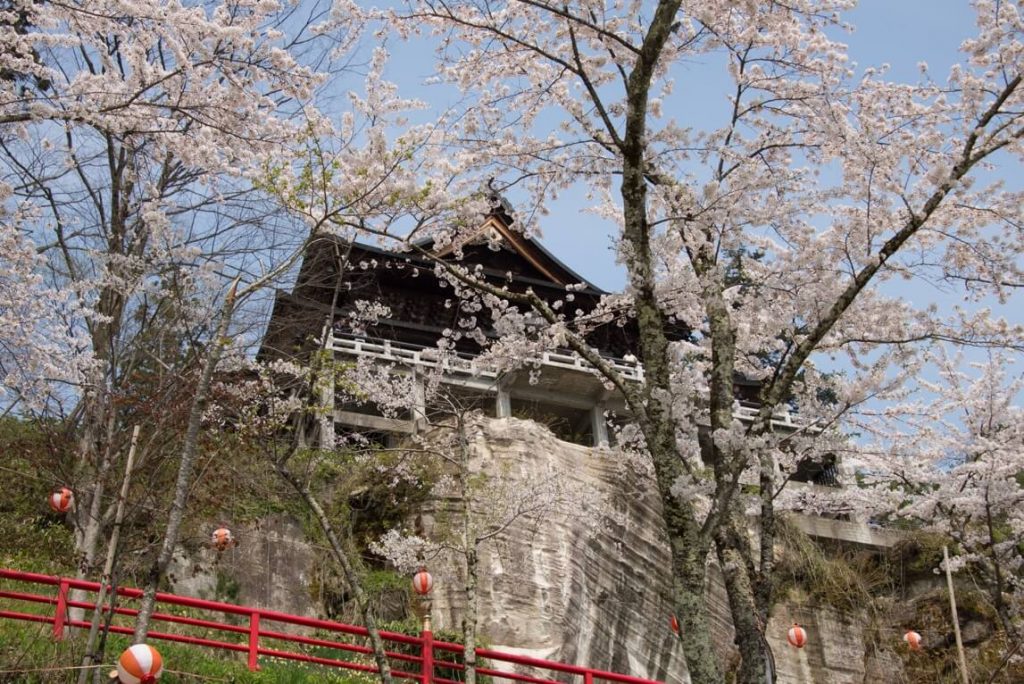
(595, 592)
(271, 567)
(568, 586)
(836, 652)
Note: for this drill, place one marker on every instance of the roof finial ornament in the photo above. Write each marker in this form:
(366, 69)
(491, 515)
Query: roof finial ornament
(499, 206)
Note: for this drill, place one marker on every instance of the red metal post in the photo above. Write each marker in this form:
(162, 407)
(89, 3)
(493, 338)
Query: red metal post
(588, 677)
(62, 610)
(427, 655)
(254, 640)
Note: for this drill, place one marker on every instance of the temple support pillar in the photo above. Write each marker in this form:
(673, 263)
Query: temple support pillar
(598, 426)
(419, 403)
(503, 403)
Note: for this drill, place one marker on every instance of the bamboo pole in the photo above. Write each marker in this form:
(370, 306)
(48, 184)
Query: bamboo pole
(108, 567)
(961, 659)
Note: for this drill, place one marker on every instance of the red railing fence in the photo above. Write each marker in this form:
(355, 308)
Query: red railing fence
(420, 658)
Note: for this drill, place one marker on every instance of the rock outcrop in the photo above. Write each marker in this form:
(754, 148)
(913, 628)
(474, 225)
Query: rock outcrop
(587, 584)
(574, 586)
(591, 587)
(271, 567)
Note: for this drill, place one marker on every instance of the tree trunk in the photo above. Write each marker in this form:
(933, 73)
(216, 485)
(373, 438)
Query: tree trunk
(91, 658)
(733, 556)
(94, 516)
(689, 569)
(764, 593)
(90, 522)
(470, 616)
(189, 449)
(999, 583)
(689, 546)
(347, 567)
(470, 546)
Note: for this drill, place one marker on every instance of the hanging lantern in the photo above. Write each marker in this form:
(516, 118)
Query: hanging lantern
(222, 539)
(674, 624)
(422, 582)
(913, 640)
(61, 500)
(796, 636)
(140, 664)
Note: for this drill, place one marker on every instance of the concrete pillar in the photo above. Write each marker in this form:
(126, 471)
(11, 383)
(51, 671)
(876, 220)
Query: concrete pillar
(598, 427)
(503, 408)
(419, 402)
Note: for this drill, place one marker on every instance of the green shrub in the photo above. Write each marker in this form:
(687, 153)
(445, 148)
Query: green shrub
(842, 578)
(32, 537)
(919, 553)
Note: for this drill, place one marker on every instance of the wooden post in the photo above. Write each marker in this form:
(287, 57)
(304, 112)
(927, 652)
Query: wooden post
(325, 410)
(419, 401)
(108, 566)
(324, 387)
(961, 659)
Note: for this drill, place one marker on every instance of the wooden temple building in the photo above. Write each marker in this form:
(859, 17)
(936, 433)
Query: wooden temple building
(566, 395)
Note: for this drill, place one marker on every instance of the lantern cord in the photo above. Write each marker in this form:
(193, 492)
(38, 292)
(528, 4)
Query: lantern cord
(69, 668)
(193, 675)
(51, 669)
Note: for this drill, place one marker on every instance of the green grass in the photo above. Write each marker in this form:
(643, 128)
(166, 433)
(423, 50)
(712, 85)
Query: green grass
(29, 654)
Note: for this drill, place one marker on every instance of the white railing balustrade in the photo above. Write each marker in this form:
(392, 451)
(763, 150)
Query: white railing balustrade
(466, 364)
(746, 412)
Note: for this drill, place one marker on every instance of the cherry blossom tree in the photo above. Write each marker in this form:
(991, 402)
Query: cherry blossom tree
(126, 134)
(137, 138)
(953, 464)
(40, 352)
(276, 405)
(335, 178)
(840, 181)
(144, 140)
(341, 178)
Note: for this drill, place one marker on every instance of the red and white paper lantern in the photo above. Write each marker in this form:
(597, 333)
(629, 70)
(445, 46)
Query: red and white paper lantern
(796, 636)
(140, 664)
(222, 539)
(913, 640)
(61, 499)
(422, 582)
